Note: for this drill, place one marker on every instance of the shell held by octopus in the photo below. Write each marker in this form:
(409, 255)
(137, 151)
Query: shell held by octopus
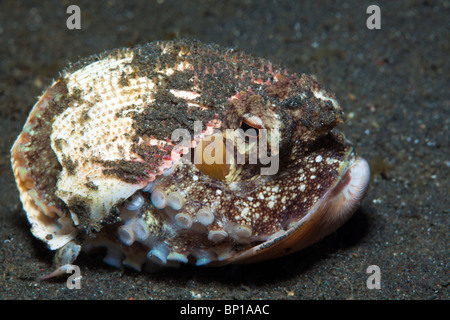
(183, 152)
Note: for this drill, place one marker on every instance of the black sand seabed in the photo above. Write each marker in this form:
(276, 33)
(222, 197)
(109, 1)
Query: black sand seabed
(393, 84)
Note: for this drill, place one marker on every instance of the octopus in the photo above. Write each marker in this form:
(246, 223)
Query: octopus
(180, 152)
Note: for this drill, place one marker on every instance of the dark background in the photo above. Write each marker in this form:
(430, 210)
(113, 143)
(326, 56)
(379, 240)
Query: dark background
(393, 84)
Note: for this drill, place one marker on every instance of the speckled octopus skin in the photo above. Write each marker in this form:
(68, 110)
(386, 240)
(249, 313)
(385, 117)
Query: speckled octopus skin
(96, 165)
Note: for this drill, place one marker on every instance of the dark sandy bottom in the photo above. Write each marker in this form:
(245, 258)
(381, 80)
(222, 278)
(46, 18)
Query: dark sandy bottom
(393, 84)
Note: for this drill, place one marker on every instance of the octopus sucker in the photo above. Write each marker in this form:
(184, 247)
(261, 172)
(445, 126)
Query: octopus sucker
(180, 152)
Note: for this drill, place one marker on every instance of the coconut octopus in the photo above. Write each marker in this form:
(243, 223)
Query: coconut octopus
(183, 152)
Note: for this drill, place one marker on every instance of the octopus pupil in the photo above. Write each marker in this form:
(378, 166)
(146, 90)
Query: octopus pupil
(249, 130)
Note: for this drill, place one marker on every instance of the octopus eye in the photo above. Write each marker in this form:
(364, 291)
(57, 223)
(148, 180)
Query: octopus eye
(250, 126)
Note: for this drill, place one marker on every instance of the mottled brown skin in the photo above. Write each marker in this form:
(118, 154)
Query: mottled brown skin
(230, 84)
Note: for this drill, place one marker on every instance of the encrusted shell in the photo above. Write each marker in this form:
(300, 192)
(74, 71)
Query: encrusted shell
(101, 161)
